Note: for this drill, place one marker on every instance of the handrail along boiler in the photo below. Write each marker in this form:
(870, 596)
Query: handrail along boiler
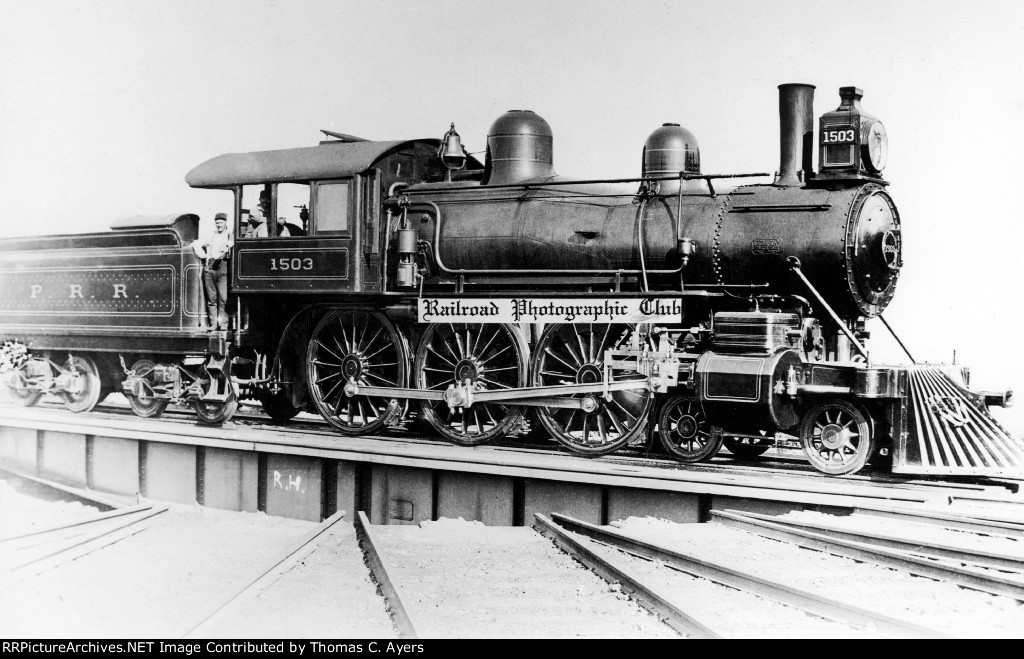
(487, 298)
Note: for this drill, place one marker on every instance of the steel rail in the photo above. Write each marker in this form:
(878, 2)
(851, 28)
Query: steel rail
(899, 560)
(978, 525)
(814, 604)
(381, 569)
(614, 571)
(927, 548)
(77, 548)
(270, 571)
(110, 514)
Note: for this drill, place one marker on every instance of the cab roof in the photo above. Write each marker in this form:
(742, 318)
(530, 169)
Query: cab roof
(327, 160)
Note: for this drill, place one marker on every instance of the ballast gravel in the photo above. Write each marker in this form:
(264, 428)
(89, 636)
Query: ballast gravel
(936, 605)
(467, 580)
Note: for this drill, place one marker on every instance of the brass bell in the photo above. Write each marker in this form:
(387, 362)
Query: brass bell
(451, 153)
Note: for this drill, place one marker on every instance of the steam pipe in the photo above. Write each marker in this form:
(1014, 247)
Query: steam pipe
(796, 134)
(794, 265)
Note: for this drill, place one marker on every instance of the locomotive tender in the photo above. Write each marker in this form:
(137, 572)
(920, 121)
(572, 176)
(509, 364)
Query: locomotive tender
(482, 298)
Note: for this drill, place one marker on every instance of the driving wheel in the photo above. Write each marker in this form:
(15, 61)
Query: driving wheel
(574, 354)
(358, 346)
(489, 357)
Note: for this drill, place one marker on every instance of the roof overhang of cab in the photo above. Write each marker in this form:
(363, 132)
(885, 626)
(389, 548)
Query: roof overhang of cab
(328, 160)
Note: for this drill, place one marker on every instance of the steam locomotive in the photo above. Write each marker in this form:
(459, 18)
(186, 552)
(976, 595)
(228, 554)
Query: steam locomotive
(414, 281)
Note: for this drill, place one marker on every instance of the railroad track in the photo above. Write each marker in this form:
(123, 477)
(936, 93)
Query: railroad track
(692, 613)
(455, 579)
(28, 554)
(460, 579)
(262, 577)
(696, 596)
(998, 495)
(995, 566)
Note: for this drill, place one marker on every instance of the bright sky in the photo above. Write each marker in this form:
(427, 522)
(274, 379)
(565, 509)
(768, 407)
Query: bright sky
(106, 104)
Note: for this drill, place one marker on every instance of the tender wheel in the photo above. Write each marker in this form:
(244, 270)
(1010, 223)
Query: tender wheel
(146, 406)
(362, 346)
(745, 448)
(490, 357)
(216, 412)
(684, 432)
(14, 392)
(836, 437)
(278, 406)
(84, 386)
(574, 354)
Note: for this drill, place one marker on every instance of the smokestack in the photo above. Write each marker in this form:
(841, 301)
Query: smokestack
(796, 133)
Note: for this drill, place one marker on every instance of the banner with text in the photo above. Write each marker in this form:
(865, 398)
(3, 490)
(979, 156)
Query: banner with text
(550, 310)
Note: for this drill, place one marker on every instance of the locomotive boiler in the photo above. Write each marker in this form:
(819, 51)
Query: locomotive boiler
(487, 299)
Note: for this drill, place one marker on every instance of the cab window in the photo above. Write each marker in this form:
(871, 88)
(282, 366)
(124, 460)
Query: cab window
(282, 205)
(331, 211)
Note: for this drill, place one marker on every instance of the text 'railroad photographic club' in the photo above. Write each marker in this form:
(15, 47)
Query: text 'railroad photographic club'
(388, 283)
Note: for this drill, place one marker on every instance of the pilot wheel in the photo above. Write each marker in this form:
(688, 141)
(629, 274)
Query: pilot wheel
(684, 431)
(836, 436)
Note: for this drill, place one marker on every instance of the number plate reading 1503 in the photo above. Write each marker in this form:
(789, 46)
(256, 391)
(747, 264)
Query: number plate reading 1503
(283, 264)
(306, 264)
(838, 136)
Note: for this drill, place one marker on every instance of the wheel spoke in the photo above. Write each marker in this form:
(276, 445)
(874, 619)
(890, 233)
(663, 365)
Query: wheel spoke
(458, 344)
(344, 335)
(579, 359)
(489, 342)
(368, 374)
(328, 377)
(625, 411)
(615, 421)
(579, 341)
(328, 350)
(503, 368)
(431, 350)
(496, 384)
(485, 361)
(373, 339)
(570, 366)
(374, 354)
(604, 338)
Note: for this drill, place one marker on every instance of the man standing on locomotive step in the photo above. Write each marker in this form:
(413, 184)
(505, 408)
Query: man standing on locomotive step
(216, 252)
